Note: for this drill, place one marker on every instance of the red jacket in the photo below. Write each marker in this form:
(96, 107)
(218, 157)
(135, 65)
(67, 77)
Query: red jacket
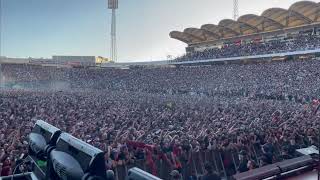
(149, 149)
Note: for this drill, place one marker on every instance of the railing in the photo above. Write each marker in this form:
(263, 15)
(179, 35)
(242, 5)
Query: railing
(301, 52)
(224, 164)
(173, 62)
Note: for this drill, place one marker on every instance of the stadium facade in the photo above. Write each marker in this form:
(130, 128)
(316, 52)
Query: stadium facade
(75, 60)
(272, 24)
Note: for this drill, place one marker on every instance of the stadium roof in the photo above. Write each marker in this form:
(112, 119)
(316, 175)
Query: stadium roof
(299, 14)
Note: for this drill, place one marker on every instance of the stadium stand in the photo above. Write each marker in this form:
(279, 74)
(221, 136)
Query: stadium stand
(276, 30)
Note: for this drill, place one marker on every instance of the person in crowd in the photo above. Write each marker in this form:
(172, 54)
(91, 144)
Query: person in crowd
(209, 174)
(243, 165)
(165, 119)
(6, 167)
(285, 154)
(251, 165)
(110, 175)
(175, 175)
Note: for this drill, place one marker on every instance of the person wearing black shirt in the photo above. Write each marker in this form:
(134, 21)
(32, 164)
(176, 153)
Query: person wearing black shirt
(209, 175)
(292, 148)
(267, 153)
(243, 162)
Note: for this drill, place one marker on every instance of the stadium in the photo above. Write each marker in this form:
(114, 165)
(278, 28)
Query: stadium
(272, 24)
(275, 25)
(242, 103)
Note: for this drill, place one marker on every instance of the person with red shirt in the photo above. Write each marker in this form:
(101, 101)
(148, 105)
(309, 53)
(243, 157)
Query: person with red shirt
(6, 168)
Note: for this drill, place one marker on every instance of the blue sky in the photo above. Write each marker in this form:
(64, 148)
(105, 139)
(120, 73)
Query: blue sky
(42, 28)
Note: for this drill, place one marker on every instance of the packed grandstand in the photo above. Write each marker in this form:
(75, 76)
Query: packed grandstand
(276, 30)
(182, 121)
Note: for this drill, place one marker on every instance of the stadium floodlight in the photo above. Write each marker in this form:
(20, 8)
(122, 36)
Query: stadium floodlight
(1, 77)
(235, 10)
(42, 138)
(76, 160)
(113, 5)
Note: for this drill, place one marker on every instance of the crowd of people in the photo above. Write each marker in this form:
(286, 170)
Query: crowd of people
(177, 123)
(300, 43)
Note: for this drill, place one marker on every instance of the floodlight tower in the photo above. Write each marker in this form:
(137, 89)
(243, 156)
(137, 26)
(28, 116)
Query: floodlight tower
(113, 5)
(0, 74)
(0, 59)
(235, 9)
(0, 48)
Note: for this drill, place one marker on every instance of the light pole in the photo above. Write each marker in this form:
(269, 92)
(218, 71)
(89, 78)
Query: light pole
(235, 10)
(113, 5)
(0, 45)
(0, 74)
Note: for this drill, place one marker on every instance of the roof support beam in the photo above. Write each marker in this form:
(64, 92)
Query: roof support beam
(195, 37)
(250, 26)
(221, 32)
(300, 16)
(241, 28)
(231, 30)
(279, 25)
(318, 14)
(217, 36)
(288, 19)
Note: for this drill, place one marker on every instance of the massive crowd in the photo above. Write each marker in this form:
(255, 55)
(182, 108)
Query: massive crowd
(169, 121)
(300, 43)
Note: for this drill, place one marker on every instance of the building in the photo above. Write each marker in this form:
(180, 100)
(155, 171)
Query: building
(75, 60)
(273, 23)
(4, 59)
